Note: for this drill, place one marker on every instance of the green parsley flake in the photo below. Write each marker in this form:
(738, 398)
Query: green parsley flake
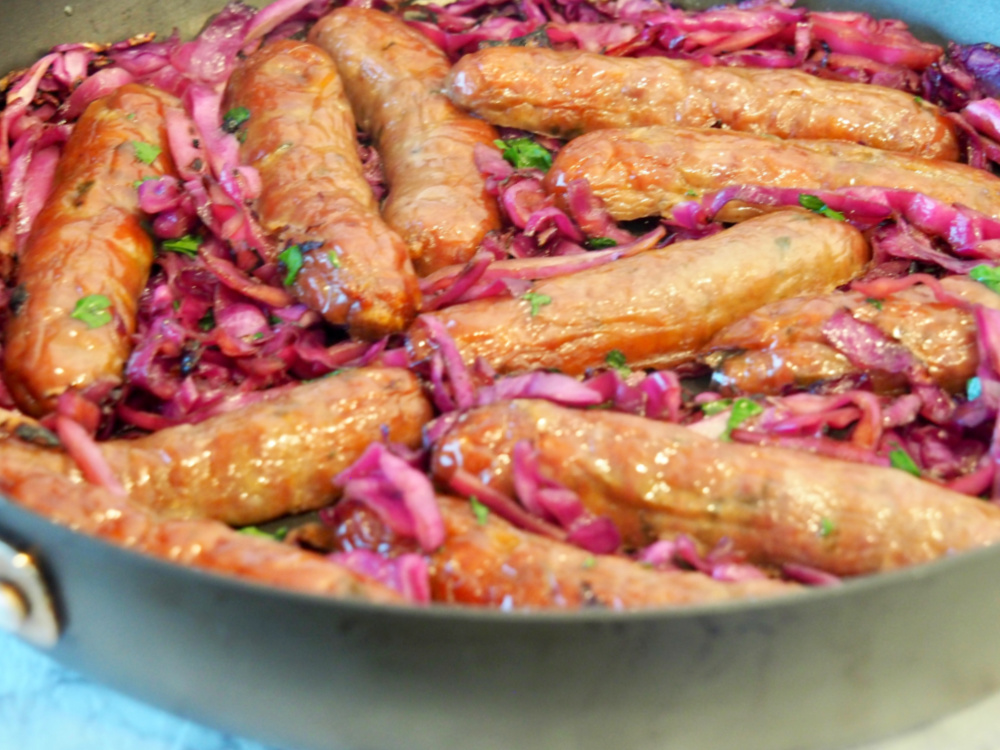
(277, 535)
(334, 259)
(291, 256)
(599, 243)
(234, 118)
(207, 322)
(137, 183)
(92, 310)
(589, 562)
(783, 243)
(876, 303)
(743, 409)
(900, 459)
(524, 153)
(974, 388)
(146, 152)
(186, 245)
(826, 527)
(814, 204)
(616, 359)
(480, 511)
(989, 276)
(537, 301)
(714, 407)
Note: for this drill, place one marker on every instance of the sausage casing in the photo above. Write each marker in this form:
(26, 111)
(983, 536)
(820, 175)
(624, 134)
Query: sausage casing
(567, 93)
(658, 308)
(393, 76)
(647, 171)
(301, 137)
(87, 247)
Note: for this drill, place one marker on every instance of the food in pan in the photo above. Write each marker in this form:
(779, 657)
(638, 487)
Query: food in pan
(280, 268)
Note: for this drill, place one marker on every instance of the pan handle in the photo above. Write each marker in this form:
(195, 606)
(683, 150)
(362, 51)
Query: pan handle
(26, 607)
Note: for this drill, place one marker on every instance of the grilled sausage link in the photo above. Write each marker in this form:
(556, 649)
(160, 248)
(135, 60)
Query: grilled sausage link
(647, 171)
(783, 345)
(393, 77)
(208, 545)
(268, 459)
(301, 137)
(88, 257)
(567, 93)
(658, 308)
(777, 506)
(489, 562)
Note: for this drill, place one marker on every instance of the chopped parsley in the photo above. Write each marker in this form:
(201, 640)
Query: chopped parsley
(480, 511)
(235, 118)
(814, 204)
(537, 301)
(826, 527)
(743, 409)
(616, 359)
(876, 303)
(524, 153)
(599, 243)
(186, 245)
(146, 152)
(92, 310)
(207, 322)
(589, 562)
(277, 535)
(334, 259)
(989, 276)
(291, 256)
(900, 459)
(714, 407)
(147, 178)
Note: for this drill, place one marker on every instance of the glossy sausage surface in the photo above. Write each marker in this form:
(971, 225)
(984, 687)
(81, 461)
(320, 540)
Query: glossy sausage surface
(777, 506)
(567, 93)
(301, 137)
(393, 76)
(88, 240)
(658, 308)
(647, 171)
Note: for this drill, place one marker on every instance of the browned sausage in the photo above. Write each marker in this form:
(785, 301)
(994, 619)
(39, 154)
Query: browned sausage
(491, 563)
(208, 545)
(647, 171)
(302, 139)
(782, 344)
(659, 308)
(393, 76)
(656, 479)
(268, 459)
(567, 93)
(87, 246)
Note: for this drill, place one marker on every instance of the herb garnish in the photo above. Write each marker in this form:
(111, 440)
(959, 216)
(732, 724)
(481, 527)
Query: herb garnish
(234, 118)
(524, 153)
(599, 243)
(92, 310)
(291, 256)
(186, 245)
(480, 511)
(989, 276)
(814, 204)
(900, 459)
(146, 152)
(537, 301)
(616, 359)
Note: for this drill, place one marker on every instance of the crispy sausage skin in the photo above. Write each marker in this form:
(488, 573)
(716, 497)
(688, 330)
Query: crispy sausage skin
(208, 545)
(393, 77)
(647, 171)
(782, 345)
(659, 308)
(656, 480)
(269, 459)
(87, 241)
(567, 93)
(489, 562)
(301, 137)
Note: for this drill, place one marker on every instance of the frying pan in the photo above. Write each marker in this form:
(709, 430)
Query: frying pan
(825, 669)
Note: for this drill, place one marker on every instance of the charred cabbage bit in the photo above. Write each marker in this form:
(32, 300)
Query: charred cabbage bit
(186, 245)
(814, 204)
(524, 153)
(900, 459)
(291, 256)
(93, 310)
(235, 118)
(616, 359)
(480, 511)
(537, 301)
(989, 276)
(743, 409)
(146, 152)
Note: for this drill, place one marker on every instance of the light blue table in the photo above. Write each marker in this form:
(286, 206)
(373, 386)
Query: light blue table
(46, 707)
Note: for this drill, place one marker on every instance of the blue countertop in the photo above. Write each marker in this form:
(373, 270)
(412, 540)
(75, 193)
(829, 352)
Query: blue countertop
(46, 707)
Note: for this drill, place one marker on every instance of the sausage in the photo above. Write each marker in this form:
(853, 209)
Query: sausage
(87, 241)
(491, 563)
(393, 77)
(208, 545)
(658, 308)
(777, 506)
(567, 93)
(783, 345)
(302, 139)
(268, 459)
(647, 171)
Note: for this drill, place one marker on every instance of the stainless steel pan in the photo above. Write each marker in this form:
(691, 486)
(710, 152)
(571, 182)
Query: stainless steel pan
(826, 669)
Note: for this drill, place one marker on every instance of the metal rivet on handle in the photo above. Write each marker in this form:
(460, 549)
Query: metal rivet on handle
(13, 609)
(26, 608)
